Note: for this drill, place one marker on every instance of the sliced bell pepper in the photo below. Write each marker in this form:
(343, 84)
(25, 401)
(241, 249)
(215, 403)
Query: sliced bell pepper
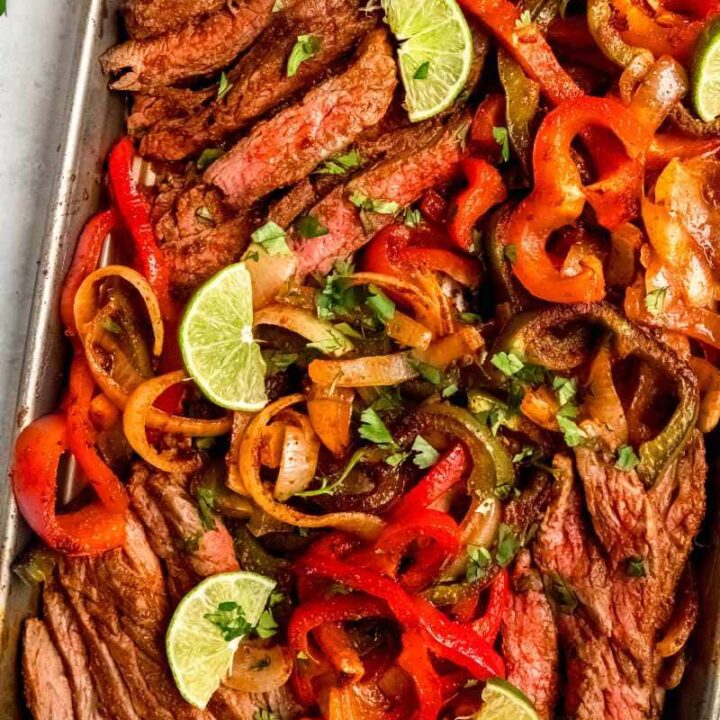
(444, 638)
(559, 197)
(527, 45)
(88, 531)
(485, 188)
(81, 439)
(85, 260)
(414, 659)
(488, 626)
(133, 210)
(489, 115)
(397, 249)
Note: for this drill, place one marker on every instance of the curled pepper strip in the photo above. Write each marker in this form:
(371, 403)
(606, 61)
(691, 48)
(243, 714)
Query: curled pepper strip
(415, 660)
(559, 197)
(443, 637)
(134, 212)
(488, 626)
(485, 188)
(88, 531)
(655, 454)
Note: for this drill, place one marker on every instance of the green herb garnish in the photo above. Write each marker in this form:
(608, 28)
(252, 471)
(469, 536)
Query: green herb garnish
(655, 300)
(305, 48)
(224, 86)
(271, 237)
(229, 618)
(627, 460)
(425, 454)
(309, 226)
(208, 157)
(381, 305)
(340, 164)
(502, 138)
(423, 71)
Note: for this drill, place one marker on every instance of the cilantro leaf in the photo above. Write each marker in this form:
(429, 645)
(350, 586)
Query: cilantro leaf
(627, 460)
(380, 304)
(277, 362)
(208, 157)
(635, 567)
(425, 454)
(229, 618)
(374, 430)
(224, 86)
(565, 389)
(524, 20)
(266, 627)
(305, 48)
(206, 503)
(479, 562)
(412, 217)
(271, 237)
(336, 297)
(502, 138)
(309, 226)
(507, 363)
(573, 434)
(370, 205)
(340, 164)
(508, 544)
(423, 71)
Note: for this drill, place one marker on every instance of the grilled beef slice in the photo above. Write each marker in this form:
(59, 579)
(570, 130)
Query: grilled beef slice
(168, 102)
(146, 18)
(401, 179)
(283, 150)
(613, 576)
(47, 690)
(259, 80)
(529, 638)
(201, 47)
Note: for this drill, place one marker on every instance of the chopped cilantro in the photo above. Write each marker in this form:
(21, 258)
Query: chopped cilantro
(380, 304)
(450, 390)
(655, 300)
(423, 71)
(111, 326)
(565, 389)
(526, 454)
(229, 618)
(305, 47)
(265, 715)
(340, 164)
(573, 434)
(504, 491)
(562, 594)
(348, 330)
(277, 362)
(502, 138)
(266, 627)
(508, 544)
(271, 237)
(309, 226)
(626, 459)
(470, 318)
(335, 342)
(479, 561)
(208, 157)
(635, 567)
(206, 503)
(374, 430)
(397, 458)
(191, 543)
(336, 297)
(524, 20)
(428, 372)
(412, 217)
(224, 86)
(369, 205)
(425, 454)
(507, 363)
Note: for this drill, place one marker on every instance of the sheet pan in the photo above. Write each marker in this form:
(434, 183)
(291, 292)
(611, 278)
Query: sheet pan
(92, 118)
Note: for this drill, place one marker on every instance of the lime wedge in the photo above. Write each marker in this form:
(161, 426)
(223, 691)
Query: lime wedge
(706, 73)
(217, 343)
(199, 656)
(435, 52)
(503, 701)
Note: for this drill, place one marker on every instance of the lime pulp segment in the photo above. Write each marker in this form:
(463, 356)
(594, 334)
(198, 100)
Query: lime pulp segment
(706, 73)
(503, 701)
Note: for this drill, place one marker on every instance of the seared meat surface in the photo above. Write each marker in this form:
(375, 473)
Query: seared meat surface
(259, 80)
(145, 18)
(613, 576)
(286, 148)
(199, 48)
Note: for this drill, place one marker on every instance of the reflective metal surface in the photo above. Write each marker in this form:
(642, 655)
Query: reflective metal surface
(93, 118)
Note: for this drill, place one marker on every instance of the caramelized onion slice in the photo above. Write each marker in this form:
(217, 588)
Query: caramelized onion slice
(259, 667)
(372, 371)
(250, 450)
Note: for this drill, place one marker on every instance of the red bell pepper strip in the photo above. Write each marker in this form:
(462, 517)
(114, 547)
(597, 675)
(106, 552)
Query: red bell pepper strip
(489, 115)
(488, 626)
(135, 214)
(527, 45)
(447, 472)
(85, 260)
(446, 639)
(397, 248)
(88, 531)
(465, 608)
(414, 659)
(485, 189)
(558, 197)
(667, 146)
(81, 439)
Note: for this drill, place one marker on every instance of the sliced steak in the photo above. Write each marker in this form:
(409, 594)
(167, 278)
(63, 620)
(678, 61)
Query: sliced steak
(199, 234)
(401, 179)
(165, 103)
(47, 690)
(613, 576)
(145, 18)
(529, 638)
(283, 150)
(199, 48)
(260, 80)
(66, 634)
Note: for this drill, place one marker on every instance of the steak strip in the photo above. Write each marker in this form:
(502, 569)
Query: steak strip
(283, 150)
(199, 48)
(402, 180)
(260, 80)
(146, 18)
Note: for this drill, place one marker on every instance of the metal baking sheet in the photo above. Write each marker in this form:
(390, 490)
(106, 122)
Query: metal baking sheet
(92, 119)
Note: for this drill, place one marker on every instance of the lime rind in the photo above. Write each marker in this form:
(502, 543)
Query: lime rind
(434, 32)
(503, 701)
(706, 73)
(217, 344)
(199, 657)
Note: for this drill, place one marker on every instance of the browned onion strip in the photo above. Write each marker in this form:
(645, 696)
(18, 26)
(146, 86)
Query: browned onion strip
(406, 331)
(372, 371)
(258, 668)
(298, 461)
(239, 424)
(250, 450)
